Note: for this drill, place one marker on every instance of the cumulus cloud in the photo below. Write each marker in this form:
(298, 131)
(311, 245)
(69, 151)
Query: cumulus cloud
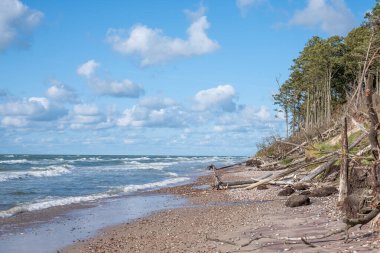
(61, 93)
(220, 98)
(22, 112)
(331, 16)
(153, 46)
(88, 68)
(114, 88)
(16, 22)
(89, 116)
(154, 112)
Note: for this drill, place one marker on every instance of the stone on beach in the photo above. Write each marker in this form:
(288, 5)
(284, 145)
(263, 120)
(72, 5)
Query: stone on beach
(262, 187)
(254, 163)
(287, 191)
(300, 187)
(298, 200)
(323, 191)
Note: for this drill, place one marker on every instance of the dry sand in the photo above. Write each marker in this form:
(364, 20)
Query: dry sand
(234, 220)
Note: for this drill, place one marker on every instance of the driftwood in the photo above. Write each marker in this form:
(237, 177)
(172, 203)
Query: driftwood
(343, 184)
(362, 221)
(213, 167)
(334, 157)
(281, 175)
(219, 183)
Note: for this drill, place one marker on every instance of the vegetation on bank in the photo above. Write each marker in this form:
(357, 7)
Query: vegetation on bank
(327, 74)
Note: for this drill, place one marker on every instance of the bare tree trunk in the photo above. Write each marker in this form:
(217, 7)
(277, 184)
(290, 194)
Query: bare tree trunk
(308, 111)
(372, 135)
(343, 185)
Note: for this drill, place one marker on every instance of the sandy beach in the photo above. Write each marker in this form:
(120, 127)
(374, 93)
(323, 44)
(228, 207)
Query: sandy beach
(233, 220)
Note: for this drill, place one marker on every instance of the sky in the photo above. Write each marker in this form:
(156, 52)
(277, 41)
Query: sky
(160, 77)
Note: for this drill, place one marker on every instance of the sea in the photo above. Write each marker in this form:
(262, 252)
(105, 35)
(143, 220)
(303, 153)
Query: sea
(47, 202)
(35, 182)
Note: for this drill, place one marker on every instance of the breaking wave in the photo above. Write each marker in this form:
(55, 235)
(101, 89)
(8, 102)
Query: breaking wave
(49, 171)
(47, 203)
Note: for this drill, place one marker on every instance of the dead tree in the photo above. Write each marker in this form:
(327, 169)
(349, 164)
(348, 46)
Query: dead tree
(343, 185)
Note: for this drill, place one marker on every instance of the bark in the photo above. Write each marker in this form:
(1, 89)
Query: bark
(372, 135)
(343, 185)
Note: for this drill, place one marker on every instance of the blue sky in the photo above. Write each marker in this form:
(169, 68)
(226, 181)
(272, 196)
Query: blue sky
(152, 77)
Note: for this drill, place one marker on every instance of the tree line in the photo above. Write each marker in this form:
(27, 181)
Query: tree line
(329, 73)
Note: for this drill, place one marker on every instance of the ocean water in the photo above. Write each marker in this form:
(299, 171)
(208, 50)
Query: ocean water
(36, 182)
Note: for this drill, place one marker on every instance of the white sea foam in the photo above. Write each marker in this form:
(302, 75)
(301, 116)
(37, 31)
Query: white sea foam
(148, 166)
(50, 203)
(14, 161)
(166, 182)
(172, 174)
(49, 171)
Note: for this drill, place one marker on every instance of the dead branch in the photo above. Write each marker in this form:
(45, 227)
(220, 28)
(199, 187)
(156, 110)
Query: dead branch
(281, 175)
(362, 221)
(296, 148)
(308, 243)
(334, 158)
(233, 243)
(213, 167)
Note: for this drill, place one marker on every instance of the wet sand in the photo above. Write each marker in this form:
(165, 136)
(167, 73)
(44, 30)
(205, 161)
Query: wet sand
(49, 230)
(234, 220)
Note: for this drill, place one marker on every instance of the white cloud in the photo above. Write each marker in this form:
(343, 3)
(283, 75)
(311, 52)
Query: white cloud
(123, 88)
(18, 122)
(88, 68)
(58, 92)
(16, 22)
(89, 116)
(154, 112)
(220, 98)
(35, 109)
(331, 16)
(153, 46)
(244, 5)
(114, 88)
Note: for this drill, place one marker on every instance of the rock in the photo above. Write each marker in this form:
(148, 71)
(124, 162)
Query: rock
(306, 193)
(301, 187)
(254, 163)
(323, 191)
(298, 200)
(262, 187)
(287, 191)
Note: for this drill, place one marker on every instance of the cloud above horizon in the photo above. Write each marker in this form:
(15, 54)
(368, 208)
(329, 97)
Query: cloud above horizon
(152, 46)
(245, 5)
(61, 93)
(221, 98)
(113, 88)
(330, 16)
(17, 21)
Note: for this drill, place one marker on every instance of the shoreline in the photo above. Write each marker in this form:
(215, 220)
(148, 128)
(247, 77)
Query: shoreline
(233, 220)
